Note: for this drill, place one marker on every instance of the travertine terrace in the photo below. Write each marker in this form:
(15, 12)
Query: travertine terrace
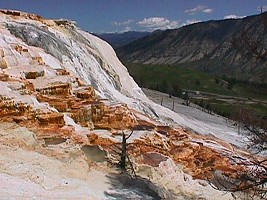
(63, 89)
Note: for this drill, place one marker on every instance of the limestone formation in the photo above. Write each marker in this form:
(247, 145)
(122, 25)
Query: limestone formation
(3, 77)
(56, 89)
(33, 74)
(48, 119)
(86, 93)
(69, 100)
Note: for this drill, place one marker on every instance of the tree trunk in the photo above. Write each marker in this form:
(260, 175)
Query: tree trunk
(123, 153)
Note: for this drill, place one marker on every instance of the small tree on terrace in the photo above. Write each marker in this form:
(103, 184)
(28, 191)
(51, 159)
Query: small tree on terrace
(121, 151)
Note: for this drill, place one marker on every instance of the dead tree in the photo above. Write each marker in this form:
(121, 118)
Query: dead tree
(186, 98)
(249, 183)
(121, 150)
(124, 155)
(252, 179)
(257, 128)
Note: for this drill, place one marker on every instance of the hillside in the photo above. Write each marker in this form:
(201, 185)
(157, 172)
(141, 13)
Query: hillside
(232, 47)
(224, 97)
(121, 39)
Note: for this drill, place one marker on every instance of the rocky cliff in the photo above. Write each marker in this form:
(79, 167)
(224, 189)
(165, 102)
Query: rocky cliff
(65, 99)
(232, 47)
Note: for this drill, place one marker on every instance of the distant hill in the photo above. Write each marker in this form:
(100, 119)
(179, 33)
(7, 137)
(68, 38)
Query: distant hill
(232, 47)
(120, 39)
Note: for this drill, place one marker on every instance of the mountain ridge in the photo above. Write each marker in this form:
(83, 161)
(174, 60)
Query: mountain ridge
(199, 46)
(121, 39)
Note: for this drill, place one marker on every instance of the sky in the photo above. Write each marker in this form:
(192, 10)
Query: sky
(100, 16)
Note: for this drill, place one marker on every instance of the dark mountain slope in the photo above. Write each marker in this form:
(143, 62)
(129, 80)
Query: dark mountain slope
(181, 45)
(227, 47)
(120, 39)
(244, 55)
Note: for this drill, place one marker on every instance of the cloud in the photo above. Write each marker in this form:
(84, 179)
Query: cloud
(233, 17)
(124, 23)
(208, 10)
(192, 21)
(126, 29)
(155, 23)
(262, 8)
(199, 9)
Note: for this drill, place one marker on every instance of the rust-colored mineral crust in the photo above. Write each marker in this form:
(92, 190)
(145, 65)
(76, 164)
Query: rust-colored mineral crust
(86, 93)
(51, 119)
(55, 104)
(200, 161)
(87, 110)
(117, 117)
(56, 89)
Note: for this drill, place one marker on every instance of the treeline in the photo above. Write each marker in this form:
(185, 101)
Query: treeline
(210, 105)
(234, 81)
(162, 86)
(219, 108)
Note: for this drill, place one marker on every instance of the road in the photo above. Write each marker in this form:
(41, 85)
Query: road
(224, 97)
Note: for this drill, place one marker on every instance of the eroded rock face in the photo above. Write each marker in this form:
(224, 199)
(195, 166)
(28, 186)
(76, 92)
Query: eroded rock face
(11, 108)
(117, 117)
(200, 161)
(86, 93)
(33, 74)
(56, 89)
(51, 119)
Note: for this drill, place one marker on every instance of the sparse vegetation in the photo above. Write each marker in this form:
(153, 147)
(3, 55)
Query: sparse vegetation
(166, 77)
(174, 80)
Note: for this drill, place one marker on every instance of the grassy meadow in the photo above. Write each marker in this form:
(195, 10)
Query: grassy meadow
(175, 79)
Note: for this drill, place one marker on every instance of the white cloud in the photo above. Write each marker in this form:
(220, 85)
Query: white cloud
(208, 10)
(155, 23)
(199, 9)
(233, 17)
(192, 21)
(195, 10)
(124, 23)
